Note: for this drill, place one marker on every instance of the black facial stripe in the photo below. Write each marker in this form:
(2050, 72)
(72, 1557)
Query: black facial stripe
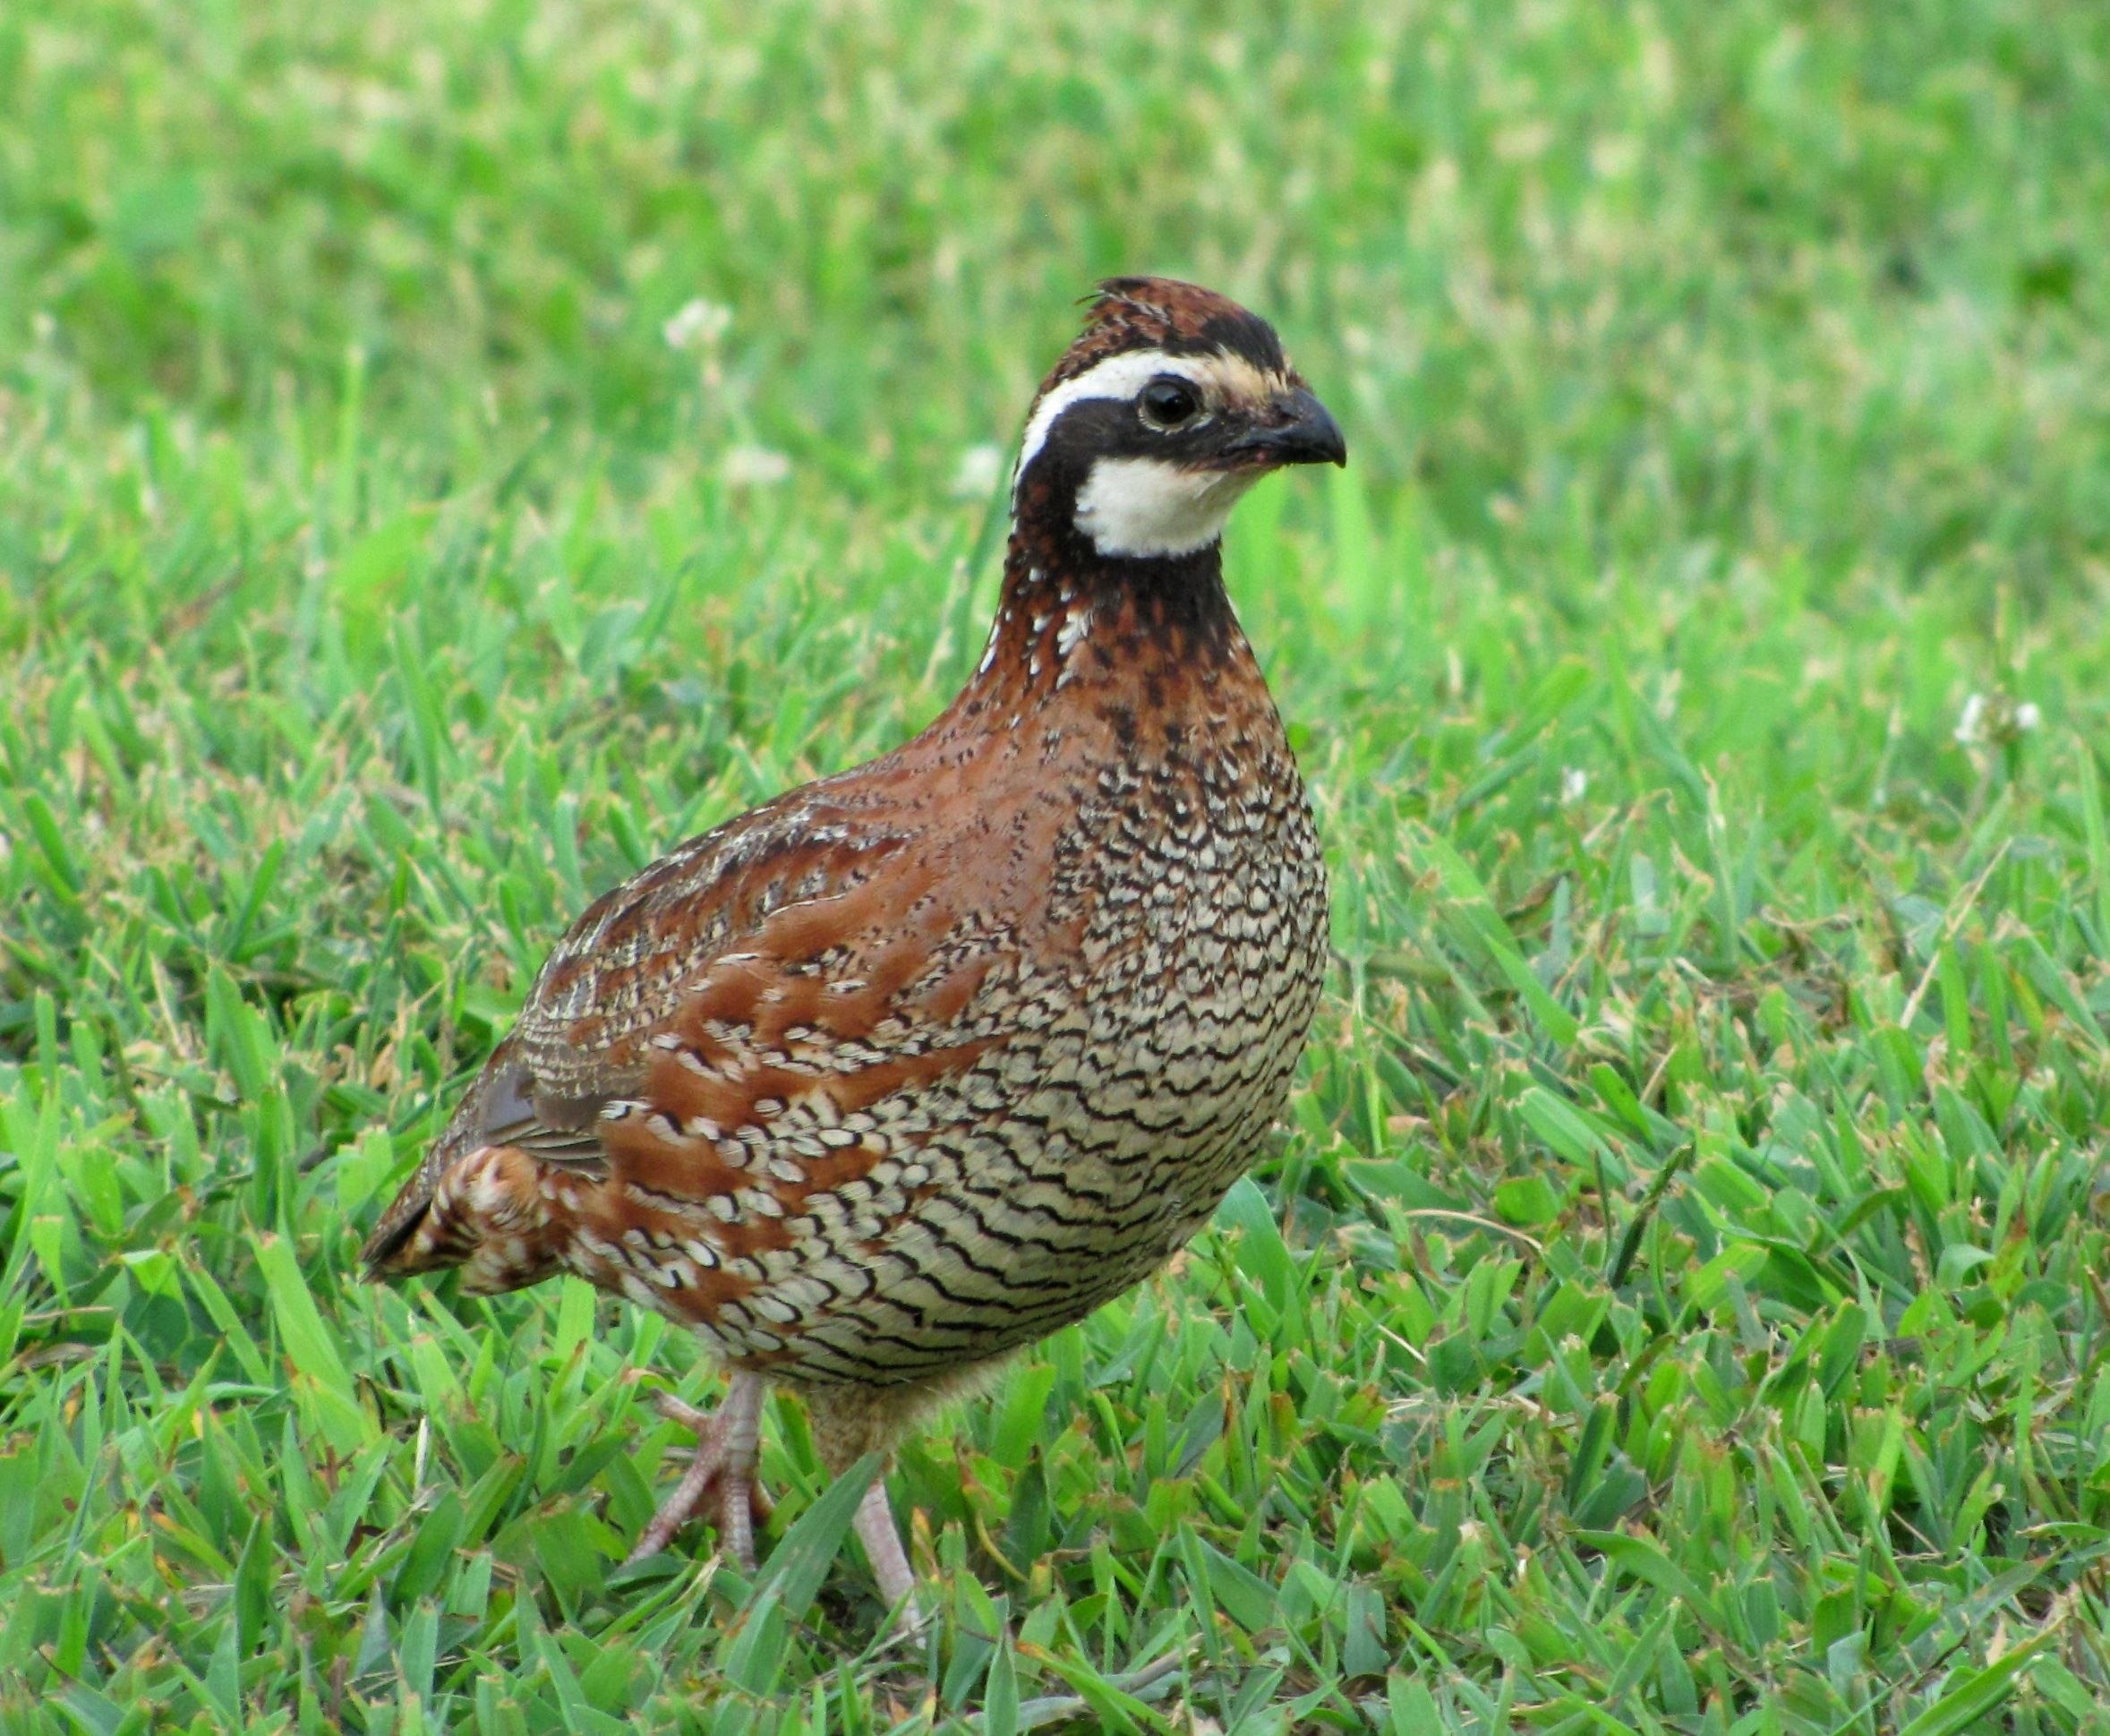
(1096, 428)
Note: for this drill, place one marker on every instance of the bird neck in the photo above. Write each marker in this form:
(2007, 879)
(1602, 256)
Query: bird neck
(1071, 621)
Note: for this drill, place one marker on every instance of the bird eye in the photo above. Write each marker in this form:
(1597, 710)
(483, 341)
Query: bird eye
(1168, 401)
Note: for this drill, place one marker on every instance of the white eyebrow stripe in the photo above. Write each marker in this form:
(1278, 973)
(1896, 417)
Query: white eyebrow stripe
(1118, 376)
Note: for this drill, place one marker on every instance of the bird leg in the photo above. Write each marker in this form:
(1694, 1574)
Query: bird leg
(876, 1530)
(727, 1449)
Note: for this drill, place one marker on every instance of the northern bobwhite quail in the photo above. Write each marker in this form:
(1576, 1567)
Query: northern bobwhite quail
(916, 1065)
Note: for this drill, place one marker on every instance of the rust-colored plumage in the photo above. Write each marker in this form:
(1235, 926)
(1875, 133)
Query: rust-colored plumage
(912, 1066)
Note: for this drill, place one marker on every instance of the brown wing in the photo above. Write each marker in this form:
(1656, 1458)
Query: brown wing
(673, 932)
(804, 947)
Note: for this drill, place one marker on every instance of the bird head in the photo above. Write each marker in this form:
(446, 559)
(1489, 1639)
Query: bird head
(1170, 405)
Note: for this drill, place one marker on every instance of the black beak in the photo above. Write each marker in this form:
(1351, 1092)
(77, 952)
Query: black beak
(1295, 429)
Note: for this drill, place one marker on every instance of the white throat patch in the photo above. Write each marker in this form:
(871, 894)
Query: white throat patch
(1148, 507)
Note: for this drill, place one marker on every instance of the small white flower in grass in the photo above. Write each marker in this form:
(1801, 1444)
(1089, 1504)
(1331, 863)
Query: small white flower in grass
(754, 466)
(2026, 716)
(1575, 784)
(697, 325)
(1970, 726)
(975, 476)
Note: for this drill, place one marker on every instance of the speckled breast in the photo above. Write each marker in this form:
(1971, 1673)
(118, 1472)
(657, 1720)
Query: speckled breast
(1121, 1090)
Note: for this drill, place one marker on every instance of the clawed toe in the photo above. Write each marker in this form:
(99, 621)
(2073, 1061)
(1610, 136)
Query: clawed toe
(676, 1410)
(720, 1478)
(719, 1484)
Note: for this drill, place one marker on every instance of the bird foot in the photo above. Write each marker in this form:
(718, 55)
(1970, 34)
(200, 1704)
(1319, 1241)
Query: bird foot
(721, 1475)
(720, 1482)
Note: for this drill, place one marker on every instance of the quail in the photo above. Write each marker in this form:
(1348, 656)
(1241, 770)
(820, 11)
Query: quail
(914, 1066)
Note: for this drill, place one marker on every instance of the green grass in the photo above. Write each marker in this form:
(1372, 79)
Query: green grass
(1680, 1303)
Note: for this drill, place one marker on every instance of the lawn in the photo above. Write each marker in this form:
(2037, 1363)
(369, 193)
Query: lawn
(449, 452)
